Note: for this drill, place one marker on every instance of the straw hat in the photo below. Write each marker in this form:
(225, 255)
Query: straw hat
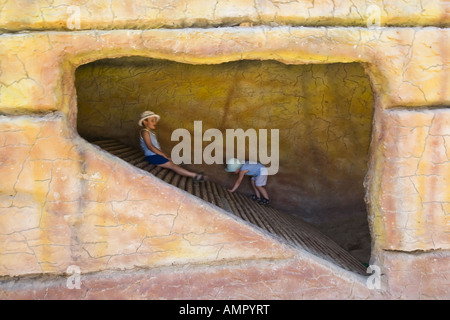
(148, 114)
(233, 164)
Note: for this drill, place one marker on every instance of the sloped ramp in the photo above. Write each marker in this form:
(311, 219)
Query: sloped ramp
(295, 231)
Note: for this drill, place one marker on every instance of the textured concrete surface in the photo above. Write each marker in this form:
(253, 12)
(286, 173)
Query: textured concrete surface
(63, 204)
(296, 278)
(143, 14)
(416, 152)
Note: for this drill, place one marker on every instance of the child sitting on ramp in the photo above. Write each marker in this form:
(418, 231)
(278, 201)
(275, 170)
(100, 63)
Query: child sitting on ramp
(152, 151)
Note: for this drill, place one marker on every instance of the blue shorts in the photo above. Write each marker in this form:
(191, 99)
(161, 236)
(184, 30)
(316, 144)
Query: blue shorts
(156, 159)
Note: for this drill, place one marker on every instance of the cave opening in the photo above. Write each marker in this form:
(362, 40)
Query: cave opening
(323, 113)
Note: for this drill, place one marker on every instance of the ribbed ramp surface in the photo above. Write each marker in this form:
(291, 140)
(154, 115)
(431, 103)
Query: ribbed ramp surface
(293, 230)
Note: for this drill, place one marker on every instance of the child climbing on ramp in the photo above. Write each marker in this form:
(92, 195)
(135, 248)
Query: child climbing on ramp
(257, 171)
(152, 151)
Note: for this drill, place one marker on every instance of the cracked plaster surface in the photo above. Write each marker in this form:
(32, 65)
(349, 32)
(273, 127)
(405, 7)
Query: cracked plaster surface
(413, 276)
(395, 59)
(111, 14)
(291, 279)
(415, 195)
(62, 204)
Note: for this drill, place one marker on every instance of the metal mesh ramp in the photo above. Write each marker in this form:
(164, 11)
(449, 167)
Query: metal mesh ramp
(295, 231)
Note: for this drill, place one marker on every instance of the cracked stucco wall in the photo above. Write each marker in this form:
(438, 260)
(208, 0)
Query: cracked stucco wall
(63, 204)
(414, 179)
(111, 14)
(56, 208)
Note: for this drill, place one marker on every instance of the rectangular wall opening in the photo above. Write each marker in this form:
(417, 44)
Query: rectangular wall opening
(323, 114)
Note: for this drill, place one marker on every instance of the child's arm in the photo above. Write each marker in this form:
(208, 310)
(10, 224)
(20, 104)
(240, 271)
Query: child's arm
(238, 181)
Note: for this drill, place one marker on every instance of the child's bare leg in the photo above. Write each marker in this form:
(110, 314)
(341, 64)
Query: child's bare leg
(255, 189)
(172, 166)
(263, 192)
